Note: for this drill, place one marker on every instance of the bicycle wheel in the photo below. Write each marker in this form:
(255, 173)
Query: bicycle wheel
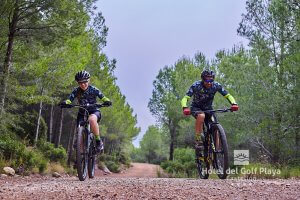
(81, 154)
(92, 158)
(202, 168)
(221, 151)
(202, 163)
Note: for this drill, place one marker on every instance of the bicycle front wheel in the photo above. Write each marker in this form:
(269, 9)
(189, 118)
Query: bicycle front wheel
(202, 168)
(92, 158)
(221, 151)
(82, 153)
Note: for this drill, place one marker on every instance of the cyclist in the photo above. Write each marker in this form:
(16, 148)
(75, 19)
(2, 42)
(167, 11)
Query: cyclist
(203, 93)
(87, 94)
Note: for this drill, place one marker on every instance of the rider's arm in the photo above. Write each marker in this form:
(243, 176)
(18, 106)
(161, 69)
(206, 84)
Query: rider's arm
(104, 99)
(72, 96)
(101, 96)
(184, 101)
(228, 96)
(187, 96)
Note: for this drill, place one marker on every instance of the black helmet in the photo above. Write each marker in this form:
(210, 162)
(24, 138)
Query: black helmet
(82, 76)
(208, 73)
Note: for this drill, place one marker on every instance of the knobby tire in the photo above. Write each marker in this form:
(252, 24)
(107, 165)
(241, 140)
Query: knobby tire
(91, 161)
(81, 156)
(221, 154)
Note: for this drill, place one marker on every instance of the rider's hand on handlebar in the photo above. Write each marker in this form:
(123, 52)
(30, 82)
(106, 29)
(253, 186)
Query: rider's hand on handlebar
(66, 104)
(186, 111)
(107, 103)
(234, 107)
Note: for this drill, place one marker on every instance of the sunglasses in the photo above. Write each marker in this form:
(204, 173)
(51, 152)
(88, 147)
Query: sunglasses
(209, 80)
(82, 82)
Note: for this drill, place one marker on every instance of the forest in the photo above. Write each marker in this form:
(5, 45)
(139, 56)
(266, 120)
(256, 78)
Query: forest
(42, 46)
(43, 43)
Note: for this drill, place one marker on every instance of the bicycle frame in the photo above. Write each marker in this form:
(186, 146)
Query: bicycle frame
(212, 143)
(85, 150)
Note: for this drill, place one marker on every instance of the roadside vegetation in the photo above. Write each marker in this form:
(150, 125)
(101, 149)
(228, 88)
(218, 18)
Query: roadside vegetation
(42, 46)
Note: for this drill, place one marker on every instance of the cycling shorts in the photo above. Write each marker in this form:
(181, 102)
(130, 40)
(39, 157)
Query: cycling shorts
(80, 117)
(208, 117)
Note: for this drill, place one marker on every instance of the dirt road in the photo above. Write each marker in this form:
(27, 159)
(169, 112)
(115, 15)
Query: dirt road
(126, 186)
(139, 170)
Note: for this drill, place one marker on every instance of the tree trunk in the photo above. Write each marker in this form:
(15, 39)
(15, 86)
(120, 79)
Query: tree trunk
(71, 142)
(60, 128)
(50, 136)
(172, 135)
(8, 57)
(38, 123)
(297, 143)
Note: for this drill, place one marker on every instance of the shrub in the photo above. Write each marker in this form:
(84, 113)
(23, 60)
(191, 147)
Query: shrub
(111, 162)
(55, 167)
(53, 154)
(124, 158)
(183, 164)
(14, 153)
(113, 166)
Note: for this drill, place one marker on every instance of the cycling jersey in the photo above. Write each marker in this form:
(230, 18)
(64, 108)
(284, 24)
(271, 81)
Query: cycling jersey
(88, 96)
(203, 97)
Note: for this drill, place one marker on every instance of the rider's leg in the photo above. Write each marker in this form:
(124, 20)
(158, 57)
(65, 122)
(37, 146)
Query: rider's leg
(199, 136)
(93, 119)
(94, 125)
(199, 125)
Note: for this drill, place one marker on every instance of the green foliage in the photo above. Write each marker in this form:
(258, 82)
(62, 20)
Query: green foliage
(264, 80)
(112, 162)
(115, 160)
(170, 86)
(124, 158)
(52, 41)
(152, 146)
(136, 155)
(26, 127)
(290, 172)
(113, 166)
(53, 154)
(14, 153)
(267, 171)
(183, 164)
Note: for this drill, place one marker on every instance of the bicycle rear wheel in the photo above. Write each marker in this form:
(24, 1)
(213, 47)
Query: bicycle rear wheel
(81, 153)
(92, 158)
(221, 151)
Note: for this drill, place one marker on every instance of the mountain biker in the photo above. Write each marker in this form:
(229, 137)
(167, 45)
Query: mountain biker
(203, 93)
(87, 94)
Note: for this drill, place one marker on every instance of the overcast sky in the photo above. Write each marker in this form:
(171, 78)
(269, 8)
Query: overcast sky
(146, 35)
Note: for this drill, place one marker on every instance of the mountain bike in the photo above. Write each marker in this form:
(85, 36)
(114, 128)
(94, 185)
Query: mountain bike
(85, 143)
(215, 147)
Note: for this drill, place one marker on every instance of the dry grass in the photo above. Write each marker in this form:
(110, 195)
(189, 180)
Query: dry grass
(55, 167)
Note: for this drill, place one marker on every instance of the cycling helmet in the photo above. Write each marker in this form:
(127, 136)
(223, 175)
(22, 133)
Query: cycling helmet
(206, 73)
(82, 76)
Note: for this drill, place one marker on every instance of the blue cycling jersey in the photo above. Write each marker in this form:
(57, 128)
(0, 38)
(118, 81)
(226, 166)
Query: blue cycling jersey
(86, 97)
(203, 97)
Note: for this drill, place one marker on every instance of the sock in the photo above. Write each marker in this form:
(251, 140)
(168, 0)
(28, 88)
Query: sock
(97, 137)
(199, 136)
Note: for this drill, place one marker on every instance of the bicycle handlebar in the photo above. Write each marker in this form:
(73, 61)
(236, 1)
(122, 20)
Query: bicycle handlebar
(95, 105)
(215, 111)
